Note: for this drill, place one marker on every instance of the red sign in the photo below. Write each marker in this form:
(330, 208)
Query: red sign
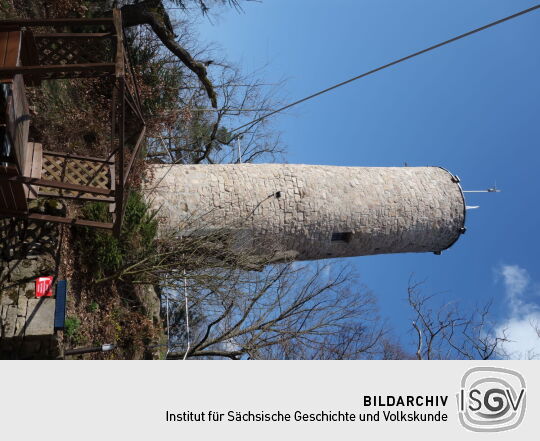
(44, 286)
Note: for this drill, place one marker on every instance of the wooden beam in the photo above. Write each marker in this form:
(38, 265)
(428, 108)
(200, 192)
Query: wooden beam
(120, 196)
(75, 35)
(72, 156)
(30, 57)
(12, 195)
(19, 126)
(69, 220)
(13, 49)
(133, 105)
(56, 22)
(107, 200)
(8, 72)
(55, 219)
(114, 100)
(112, 171)
(58, 184)
(35, 169)
(135, 153)
(117, 17)
(135, 82)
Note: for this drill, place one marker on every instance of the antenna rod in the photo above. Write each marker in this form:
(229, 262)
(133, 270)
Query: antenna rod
(489, 190)
(239, 150)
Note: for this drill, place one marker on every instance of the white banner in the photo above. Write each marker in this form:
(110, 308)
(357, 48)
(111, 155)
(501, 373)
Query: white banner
(270, 400)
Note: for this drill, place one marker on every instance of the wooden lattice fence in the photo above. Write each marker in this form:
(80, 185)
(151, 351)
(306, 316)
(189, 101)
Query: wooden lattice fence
(74, 49)
(20, 239)
(76, 170)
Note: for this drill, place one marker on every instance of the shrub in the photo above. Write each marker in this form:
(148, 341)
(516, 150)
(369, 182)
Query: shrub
(99, 248)
(104, 253)
(72, 326)
(93, 307)
(140, 225)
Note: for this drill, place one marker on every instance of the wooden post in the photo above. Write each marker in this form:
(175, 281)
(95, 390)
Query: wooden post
(117, 17)
(120, 158)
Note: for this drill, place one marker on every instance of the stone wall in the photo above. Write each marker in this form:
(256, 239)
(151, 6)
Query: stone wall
(313, 212)
(26, 323)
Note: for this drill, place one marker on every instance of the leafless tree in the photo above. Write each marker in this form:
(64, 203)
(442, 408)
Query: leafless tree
(446, 332)
(286, 311)
(394, 350)
(198, 134)
(184, 128)
(245, 299)
(200, 247)
(154, 14)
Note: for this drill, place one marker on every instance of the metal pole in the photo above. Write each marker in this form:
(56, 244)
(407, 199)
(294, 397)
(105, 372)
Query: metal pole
(187, 317)
(239, 151)
(168, 330)
(78, 351)
(489, 190)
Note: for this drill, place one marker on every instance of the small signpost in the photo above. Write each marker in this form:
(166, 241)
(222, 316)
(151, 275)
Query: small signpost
(44, 286)
(60, 310)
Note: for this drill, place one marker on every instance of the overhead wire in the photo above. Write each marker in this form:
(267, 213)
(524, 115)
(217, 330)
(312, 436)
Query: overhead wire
(393, 63)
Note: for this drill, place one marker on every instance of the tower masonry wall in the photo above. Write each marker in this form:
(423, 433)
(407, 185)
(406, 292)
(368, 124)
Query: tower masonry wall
(311, 211)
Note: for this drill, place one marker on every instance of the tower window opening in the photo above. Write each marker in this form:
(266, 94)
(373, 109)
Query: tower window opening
(342, 237)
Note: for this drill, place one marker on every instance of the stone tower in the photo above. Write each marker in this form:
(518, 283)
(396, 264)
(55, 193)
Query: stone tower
(314, 212)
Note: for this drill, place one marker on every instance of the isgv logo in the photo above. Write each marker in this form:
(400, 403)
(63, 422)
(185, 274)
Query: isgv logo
(491, 399)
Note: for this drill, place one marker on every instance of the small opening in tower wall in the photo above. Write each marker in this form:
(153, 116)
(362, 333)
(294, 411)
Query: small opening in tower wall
(342, 237)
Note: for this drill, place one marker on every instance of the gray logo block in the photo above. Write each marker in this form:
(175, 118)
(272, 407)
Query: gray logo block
(491, 399)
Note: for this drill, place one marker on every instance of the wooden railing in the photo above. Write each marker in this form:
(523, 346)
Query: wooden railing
(101, 53)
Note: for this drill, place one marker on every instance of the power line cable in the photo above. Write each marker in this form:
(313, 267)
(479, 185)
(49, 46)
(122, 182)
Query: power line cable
(393, 63)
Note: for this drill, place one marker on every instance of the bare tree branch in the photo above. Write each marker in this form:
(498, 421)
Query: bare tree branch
(154, 14)
(449, 333)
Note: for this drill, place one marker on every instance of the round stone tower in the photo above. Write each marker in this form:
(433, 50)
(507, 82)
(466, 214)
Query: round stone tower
(314, 212)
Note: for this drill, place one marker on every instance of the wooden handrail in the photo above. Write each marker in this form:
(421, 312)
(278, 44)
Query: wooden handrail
(120, 158)
(69, 220)
(57, 184)
(75, 35)
(73, 156)
(135, 153)
(7, 72)
(56, 22)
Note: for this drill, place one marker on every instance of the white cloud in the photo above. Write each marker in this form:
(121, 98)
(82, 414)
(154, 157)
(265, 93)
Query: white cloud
(523, 316)
(516, 281)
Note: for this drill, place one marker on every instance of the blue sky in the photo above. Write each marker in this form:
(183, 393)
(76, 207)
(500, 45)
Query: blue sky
(471, 107)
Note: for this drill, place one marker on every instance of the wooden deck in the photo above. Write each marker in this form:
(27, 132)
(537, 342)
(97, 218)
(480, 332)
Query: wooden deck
(16, 158)
(10, 44)
(28, 169)
(12, 194)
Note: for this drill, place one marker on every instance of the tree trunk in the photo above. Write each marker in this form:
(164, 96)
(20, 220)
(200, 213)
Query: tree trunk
(153, 13)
